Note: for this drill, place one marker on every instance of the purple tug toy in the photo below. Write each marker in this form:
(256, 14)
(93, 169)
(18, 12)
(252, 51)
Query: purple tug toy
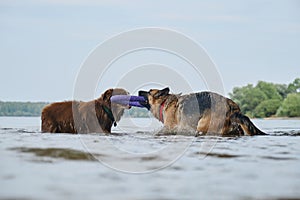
(128, 100)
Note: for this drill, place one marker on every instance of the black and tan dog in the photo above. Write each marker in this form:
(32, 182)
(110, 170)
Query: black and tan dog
(203, 112)
(96, 116)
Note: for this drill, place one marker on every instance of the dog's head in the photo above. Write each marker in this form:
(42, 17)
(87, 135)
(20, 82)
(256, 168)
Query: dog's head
(154, 97)
(117, 109)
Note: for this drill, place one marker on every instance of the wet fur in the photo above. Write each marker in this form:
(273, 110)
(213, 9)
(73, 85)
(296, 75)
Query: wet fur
(203, 112)
(82, 117)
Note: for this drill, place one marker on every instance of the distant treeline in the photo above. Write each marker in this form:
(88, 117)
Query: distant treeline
(262, 100)
(138, 112)
(269, 99)
(30, 109)
(21, 108)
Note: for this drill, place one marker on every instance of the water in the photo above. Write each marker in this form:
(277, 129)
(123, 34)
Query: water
(134, 164)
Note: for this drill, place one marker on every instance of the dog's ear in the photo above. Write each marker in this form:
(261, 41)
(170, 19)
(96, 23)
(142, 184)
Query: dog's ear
(107, 94)
(162, 92)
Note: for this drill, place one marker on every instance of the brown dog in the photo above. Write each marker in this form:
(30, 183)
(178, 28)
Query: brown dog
(203, 112)
(83, 117)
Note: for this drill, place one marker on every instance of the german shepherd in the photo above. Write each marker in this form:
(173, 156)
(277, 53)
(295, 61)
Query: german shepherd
(96, 116)
(201, 113)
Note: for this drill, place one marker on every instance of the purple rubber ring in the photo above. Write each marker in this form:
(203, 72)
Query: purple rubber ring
(122, 98)
(137, 98)
(128, 100)
(136, 104)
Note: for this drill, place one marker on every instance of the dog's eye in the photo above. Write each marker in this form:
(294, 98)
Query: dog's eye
(150, 90)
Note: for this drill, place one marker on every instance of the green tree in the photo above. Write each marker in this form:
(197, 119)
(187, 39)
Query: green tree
(248, 97)
(282, 89)
(138, 112)
(267, 108)
(295, 86)
(21, 108)
(269, 89)
(290, 106)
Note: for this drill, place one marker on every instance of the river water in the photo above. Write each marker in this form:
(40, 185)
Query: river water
(134, 163)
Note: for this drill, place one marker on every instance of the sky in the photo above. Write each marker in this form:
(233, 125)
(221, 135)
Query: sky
(43, 43)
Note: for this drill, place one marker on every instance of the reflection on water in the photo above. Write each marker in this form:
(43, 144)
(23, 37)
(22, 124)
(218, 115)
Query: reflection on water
(67, 154)
(218, 155)
(58, 166)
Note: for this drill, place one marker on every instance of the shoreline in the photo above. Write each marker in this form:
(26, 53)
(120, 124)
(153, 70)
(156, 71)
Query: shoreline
(279, 118)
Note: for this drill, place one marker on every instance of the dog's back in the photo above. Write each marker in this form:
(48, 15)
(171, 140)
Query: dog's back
(207, 106)
(58, 118)
(202, 101)
(211, 112)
